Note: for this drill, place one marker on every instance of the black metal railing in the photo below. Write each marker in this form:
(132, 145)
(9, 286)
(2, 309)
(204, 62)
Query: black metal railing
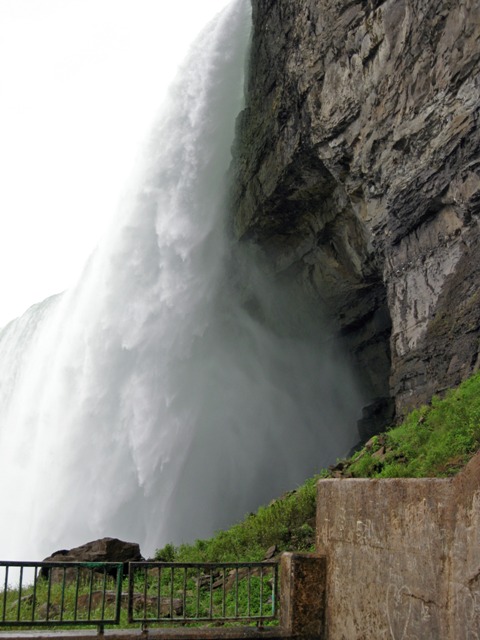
(202, 592)
(36, 594)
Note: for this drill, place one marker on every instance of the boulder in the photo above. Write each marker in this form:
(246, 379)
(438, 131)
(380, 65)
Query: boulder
(103, 550)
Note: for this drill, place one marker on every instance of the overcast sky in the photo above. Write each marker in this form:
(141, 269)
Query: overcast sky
(80, 83)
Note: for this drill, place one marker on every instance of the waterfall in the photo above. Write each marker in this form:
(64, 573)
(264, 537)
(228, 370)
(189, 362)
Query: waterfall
(176, 387)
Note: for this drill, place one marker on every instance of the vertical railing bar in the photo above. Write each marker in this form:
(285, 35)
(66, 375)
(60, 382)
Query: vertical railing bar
(261, 592)
(62, 597)
(118, 595)
(77, 588)
(159, 591)
(5, 587)
(275, 591)
(172, 576)
(249, 591)
(34, 595)
(273, 579)
(184, 592)
(104, 590)
(49, 591)
(211, 592)
(90, 590)
(19, 603)
(145, 585)
(131, 577)
(198, 592)
(224, 593)
(236, 592)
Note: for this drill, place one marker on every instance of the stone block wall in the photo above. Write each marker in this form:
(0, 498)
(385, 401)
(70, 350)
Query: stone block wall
(403, 557)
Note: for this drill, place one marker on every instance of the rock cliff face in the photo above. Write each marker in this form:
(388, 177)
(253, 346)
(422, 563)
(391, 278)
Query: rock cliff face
(357, 170)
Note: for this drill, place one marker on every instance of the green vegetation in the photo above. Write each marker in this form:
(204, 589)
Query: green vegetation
(434, 441)
(287, 523)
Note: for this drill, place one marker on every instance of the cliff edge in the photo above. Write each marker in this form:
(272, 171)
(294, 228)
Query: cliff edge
(357, 170)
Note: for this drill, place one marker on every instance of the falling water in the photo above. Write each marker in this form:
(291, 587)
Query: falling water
(175, 388)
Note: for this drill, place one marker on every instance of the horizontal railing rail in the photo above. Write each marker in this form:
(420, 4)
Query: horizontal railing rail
(60, 593)
(202, 592)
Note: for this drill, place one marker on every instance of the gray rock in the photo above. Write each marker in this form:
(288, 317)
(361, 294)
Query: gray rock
(357, 170)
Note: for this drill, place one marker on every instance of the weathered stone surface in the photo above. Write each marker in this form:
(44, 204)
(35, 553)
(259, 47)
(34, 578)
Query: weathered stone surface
(357, 170)
(302, 599)
(403, 556)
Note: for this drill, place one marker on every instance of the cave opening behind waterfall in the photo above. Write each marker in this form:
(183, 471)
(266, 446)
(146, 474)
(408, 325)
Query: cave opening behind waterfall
(312, 233)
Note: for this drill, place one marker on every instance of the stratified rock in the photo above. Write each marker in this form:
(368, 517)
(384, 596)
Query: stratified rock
(357, 170)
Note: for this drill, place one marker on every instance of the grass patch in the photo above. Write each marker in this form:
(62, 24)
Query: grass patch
(434, 441)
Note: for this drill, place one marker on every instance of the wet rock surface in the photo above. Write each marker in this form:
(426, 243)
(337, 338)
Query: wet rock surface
(357, 170)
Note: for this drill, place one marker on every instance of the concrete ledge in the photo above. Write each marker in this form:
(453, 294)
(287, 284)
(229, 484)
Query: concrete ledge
(403, 557)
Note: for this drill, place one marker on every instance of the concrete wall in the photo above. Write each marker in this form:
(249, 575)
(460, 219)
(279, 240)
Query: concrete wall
(403, 557)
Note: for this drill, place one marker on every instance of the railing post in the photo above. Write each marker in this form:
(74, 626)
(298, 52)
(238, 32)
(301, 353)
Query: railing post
(302, 596)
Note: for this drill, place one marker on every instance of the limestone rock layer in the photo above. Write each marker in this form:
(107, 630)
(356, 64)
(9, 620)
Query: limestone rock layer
(357, 170)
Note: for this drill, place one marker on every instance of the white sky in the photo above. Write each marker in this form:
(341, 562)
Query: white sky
(80, 83)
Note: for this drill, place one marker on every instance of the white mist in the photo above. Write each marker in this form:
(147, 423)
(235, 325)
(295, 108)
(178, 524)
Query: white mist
(176, 387)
